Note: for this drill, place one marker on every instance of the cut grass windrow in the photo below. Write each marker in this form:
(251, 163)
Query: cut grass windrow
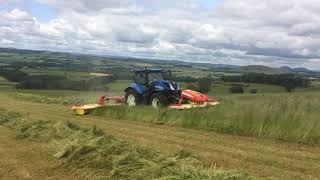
(97, 150)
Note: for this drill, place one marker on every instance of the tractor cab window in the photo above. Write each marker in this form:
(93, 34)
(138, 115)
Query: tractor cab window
(141, 78)
(155, 76)
(167, 75)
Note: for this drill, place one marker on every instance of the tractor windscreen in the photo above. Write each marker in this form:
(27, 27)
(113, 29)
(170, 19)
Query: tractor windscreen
(155, 76)
(167, 75)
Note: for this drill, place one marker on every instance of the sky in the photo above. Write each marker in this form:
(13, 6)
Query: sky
(240, 32)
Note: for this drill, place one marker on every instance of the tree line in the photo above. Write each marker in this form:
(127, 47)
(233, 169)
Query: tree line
(288, 81)
(52, 82)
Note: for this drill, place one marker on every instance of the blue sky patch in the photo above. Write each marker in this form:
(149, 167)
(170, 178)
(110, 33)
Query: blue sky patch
(209, 3)
(42, 12)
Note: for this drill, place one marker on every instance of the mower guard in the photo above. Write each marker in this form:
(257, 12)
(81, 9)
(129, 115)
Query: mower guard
(192, 105)
(193, 99)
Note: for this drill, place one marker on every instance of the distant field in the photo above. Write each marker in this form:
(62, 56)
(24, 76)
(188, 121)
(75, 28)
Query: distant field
(5, 85)
(84, 96)
(224, 88)
(196, 73)
(3, 80)
(315, 83)
(228, 73)
(118, 86)
(315, 87)
(73, 75)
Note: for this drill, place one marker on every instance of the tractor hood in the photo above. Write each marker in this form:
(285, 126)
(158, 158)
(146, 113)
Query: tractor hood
(161, 85)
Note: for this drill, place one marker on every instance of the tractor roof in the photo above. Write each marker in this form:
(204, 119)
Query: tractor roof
(148, 70)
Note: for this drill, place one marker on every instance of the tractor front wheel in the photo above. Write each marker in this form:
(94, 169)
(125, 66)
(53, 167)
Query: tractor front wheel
(132, 98)
(158, 100)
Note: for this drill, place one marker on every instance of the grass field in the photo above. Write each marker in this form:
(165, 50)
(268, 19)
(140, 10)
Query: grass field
(65, 93)
(119, 86)
(196, 73)
(315, 87)
(258, 156)
(224, 88)
(94, 148)
(5, 85)
(284, 116)
(288, 117)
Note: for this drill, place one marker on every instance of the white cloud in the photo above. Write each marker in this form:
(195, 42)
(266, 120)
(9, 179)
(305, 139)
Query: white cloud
(269, 32)
(85, 5)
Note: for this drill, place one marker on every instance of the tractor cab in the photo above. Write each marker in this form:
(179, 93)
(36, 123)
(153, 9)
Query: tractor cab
(152, 86)
(148, 76)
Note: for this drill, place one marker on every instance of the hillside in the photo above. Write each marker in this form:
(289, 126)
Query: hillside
(260, 69)
(82, 62)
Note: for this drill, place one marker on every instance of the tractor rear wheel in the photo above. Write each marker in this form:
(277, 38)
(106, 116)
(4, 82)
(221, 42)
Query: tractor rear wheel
(132, 98)
(158, 100)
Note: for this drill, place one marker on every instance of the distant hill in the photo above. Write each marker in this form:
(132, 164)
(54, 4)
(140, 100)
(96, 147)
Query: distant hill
(262, 69)
(176, 63)
(298, 70)
(250, 69)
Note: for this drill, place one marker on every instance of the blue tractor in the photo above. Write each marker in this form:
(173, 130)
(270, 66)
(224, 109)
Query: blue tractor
(152, 86)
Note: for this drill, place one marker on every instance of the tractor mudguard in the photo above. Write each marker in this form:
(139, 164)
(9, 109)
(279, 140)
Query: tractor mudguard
(138, 88)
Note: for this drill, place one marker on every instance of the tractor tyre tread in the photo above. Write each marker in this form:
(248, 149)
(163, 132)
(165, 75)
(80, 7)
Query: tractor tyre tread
(162, 98)
(134, 93)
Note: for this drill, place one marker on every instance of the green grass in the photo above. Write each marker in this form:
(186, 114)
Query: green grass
(66, 93)
(285, 116)
(118, 86)
(6, 85)
(99, 151)
(3, 80)
(45, 99)
(64, 97)
(193, 72)
(224, 87)
(315, 87)
(289, 117)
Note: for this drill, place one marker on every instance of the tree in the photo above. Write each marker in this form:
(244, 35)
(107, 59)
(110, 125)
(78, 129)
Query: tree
(236, 89)
(253, 91)
(289, 81)
(204, 84)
